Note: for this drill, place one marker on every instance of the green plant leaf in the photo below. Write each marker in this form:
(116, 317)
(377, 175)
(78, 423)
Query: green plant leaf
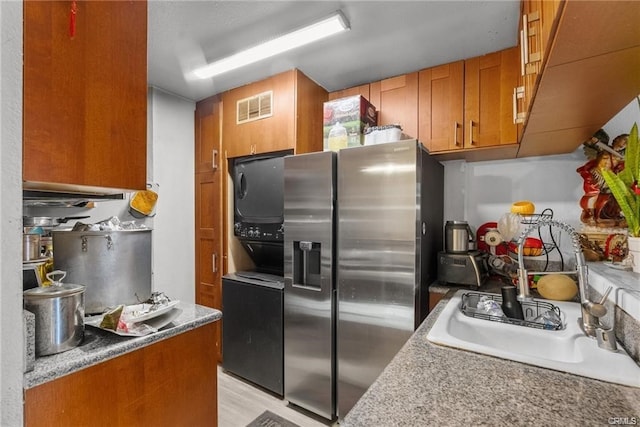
(626, 199)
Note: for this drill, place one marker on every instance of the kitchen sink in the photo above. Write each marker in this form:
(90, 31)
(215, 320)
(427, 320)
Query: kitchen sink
(567, 349)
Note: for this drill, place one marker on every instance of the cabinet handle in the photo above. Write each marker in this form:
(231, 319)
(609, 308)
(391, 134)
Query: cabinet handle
(214, 263)
(471, 142)
(518, 93)
(522, 54)
(455, 133)
(214, 157)
(525, 36)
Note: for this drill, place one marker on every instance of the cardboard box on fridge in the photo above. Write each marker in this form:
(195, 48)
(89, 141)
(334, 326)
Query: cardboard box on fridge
(345, 121)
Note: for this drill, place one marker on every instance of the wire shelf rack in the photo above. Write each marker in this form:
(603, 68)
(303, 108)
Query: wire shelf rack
(534, 312)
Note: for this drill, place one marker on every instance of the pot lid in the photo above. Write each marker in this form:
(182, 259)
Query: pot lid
(62, 290)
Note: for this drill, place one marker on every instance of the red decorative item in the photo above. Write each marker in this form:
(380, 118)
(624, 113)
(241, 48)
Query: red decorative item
(482, 243)
(72, 19)
(635, 188)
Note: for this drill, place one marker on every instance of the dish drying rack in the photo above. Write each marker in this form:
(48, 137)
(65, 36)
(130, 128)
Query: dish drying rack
(547, 247)
(532, 310)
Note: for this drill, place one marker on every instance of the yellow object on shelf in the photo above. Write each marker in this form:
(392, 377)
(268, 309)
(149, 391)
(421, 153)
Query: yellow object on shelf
(523, 207)
(143, 203)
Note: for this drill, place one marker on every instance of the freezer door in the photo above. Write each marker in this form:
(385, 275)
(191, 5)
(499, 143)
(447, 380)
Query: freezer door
(378, 254)
(309, 325)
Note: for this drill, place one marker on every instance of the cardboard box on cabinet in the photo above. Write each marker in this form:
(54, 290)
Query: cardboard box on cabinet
(345, 121)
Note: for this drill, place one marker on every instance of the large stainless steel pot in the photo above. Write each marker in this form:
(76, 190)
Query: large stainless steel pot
(115, 266)
(59, 315)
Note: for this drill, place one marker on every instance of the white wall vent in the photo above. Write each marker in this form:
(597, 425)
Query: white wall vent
(255, 107)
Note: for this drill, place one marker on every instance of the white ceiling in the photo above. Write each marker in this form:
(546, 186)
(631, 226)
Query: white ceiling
(387, 38)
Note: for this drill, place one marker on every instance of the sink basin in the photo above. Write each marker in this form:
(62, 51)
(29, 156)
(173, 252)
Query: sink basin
(568, 349)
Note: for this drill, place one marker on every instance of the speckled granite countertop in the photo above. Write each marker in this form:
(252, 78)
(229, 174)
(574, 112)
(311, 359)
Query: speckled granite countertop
(429, 385)
(99, 345)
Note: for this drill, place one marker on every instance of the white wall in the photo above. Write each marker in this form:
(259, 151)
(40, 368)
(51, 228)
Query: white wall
(173, 170)
(11, 338)
(481, 192)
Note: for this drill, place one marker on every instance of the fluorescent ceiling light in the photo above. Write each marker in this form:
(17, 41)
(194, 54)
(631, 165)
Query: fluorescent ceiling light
(334, 24)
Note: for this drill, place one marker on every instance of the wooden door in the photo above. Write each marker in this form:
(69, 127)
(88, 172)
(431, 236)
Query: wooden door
(441, 107)
(209, 207)
(489, 81)
(396, 100)
(85, 97)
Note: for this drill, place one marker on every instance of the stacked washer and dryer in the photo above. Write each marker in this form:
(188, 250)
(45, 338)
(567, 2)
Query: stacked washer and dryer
(252, 300)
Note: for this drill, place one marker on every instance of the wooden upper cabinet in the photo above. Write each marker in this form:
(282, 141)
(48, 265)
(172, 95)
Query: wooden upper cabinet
(208, 123)
(490, 109)
(441, 107)
(396, 100)
(292, 120)
(587, 78)
(466, 105)
(538, 21)
(85, 97)
(362, 90)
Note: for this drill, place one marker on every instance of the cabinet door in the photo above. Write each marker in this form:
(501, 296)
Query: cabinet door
(441, 107)
(489, 81)
(207, 134)
(274, 132)
(208, 207)
(170, 383)
(85, 97)
(362, 90)
(396, 100)
(537, 24)
(538, 20)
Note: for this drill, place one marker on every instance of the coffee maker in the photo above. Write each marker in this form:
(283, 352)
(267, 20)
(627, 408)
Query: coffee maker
(460, 264)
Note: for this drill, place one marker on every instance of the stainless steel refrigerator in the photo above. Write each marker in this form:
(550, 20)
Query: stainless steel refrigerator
(362, 229)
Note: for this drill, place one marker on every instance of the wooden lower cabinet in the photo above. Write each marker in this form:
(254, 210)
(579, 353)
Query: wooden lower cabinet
(169, 383)
(434, 299)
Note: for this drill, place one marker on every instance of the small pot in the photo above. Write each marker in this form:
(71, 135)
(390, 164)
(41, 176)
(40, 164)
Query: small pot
(59, 312)
(30, 247)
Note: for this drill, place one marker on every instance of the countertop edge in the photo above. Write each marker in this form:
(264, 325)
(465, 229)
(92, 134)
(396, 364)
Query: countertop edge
(99, 346)
(427, 384)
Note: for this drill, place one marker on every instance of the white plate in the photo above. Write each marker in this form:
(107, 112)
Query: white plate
(153, 324)
(144, 313)
(162, 321)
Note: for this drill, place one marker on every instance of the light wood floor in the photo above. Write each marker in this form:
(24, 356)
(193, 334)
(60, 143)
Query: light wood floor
(240, 402)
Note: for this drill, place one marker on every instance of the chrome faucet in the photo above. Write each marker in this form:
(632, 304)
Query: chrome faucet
(591, 311)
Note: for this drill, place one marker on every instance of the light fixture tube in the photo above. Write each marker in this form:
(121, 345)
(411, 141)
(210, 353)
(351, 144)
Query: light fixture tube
(334, 24)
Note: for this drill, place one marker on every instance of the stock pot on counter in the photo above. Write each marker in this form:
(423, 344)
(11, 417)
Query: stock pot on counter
(59, 315)
(115, 266)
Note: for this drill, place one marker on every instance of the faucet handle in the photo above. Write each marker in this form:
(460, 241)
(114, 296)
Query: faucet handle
(606, 294)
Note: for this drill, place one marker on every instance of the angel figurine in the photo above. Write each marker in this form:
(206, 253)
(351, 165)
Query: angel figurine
(599, 207)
